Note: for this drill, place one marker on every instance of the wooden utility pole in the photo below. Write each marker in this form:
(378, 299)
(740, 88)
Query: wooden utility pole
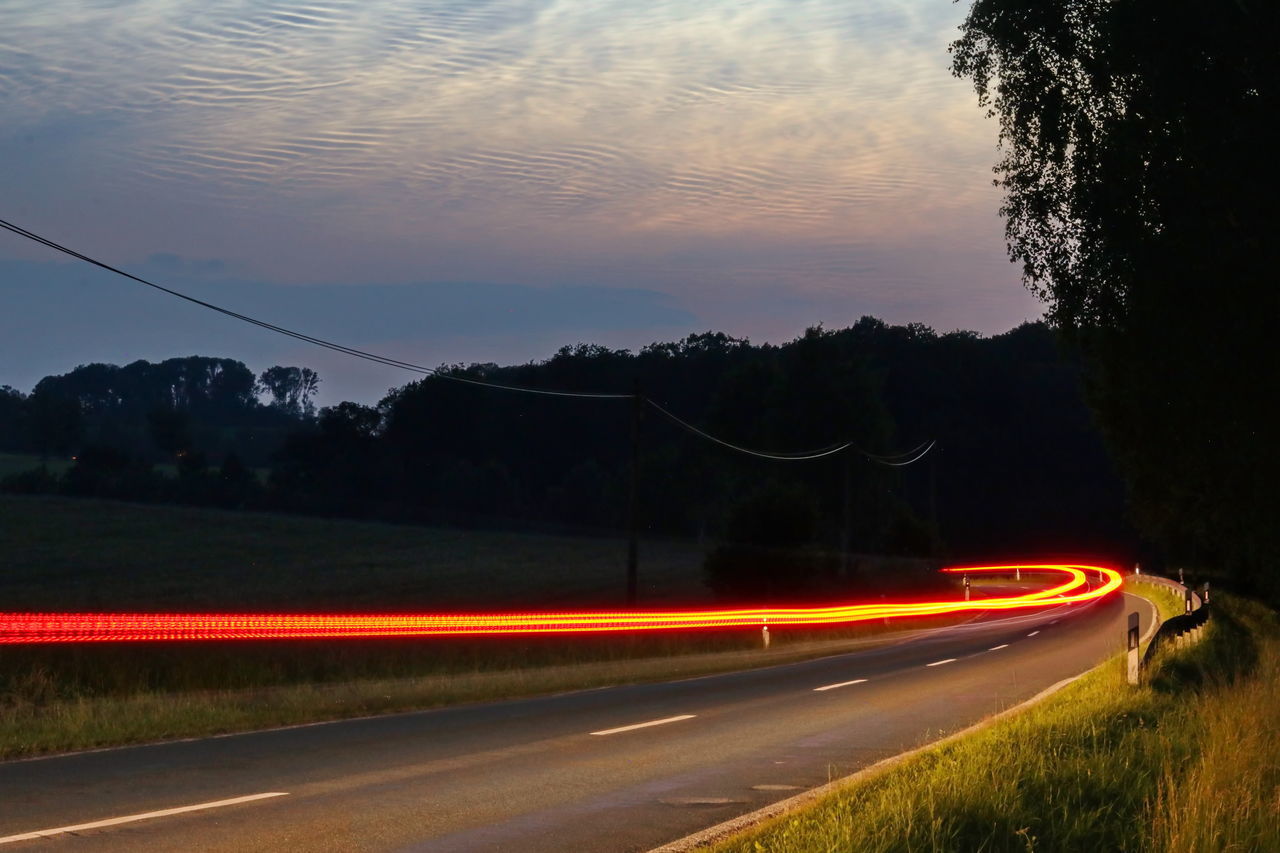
(633, 524)
(844, 520)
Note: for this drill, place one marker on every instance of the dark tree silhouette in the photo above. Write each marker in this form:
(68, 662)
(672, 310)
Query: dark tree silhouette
(1138, 172)
(14, 434)
(291, 389)
(769, 549)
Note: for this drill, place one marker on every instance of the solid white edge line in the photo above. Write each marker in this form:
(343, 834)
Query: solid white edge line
(941, 662)
(999, 647)
(1033, 633)
(645, 725)
(841, 684)
(115, 821)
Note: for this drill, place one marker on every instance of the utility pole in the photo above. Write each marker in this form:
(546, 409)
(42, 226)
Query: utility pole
(844, 522)
(633, 549)
(933, 490)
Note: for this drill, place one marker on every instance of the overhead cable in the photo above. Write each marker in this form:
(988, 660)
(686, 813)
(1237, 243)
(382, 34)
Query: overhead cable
(916, 454)
(320, 342)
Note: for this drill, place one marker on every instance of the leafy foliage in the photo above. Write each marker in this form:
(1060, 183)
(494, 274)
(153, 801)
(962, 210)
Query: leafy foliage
(1136, 144)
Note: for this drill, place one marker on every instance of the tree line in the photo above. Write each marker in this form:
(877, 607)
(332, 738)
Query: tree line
(1018, 467)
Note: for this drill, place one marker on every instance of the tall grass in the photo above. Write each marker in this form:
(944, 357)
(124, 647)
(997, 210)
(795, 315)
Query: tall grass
(1188, 761)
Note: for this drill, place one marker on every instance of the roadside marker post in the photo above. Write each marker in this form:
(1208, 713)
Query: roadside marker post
(1133, 647)
(1186, 594)
(1205, 596)
(966, 587)
(764, 633)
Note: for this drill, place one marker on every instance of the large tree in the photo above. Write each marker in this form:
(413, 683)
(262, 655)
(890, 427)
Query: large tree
(1138, 171)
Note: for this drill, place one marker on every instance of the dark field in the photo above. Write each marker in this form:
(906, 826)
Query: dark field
(62, 554)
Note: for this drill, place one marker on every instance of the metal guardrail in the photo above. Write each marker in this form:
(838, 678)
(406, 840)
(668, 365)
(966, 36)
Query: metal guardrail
(1178, 630)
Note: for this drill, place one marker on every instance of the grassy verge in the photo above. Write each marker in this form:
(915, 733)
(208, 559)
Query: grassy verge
(1189, 762)
(1168, 602)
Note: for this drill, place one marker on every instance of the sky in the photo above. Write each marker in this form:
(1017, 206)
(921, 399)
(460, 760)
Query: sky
(466, 180)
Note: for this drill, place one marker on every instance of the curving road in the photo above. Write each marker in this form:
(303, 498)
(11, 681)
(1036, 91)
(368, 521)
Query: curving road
(622, 768)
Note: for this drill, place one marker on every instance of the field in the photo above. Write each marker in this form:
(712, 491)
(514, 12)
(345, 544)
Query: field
(63, 554)
(17, 463)
(1188, 762)
(79, 554)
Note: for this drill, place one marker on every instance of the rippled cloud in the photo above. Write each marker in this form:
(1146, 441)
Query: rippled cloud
(717, 148)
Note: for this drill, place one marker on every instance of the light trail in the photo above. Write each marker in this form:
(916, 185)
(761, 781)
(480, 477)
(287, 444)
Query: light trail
(28, 628)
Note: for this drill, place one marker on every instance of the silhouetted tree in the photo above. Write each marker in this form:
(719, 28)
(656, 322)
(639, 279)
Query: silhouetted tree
(55, 422)
(14, 434)
(291, 389)
(1137, 143)
(170, 430)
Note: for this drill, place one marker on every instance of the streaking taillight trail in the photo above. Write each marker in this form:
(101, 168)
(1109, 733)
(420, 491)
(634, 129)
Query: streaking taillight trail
(1074, 587)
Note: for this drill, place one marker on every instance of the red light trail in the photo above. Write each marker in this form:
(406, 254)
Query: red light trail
(28, 628)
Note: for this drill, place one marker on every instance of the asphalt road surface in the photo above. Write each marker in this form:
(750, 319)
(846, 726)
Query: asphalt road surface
(616, 769)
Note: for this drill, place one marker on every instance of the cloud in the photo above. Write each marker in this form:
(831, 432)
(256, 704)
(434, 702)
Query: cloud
(759, 162)
(607, 118)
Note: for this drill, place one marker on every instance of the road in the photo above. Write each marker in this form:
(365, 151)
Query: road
(570, 772)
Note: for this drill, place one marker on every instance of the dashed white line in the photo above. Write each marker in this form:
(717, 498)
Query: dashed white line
(999, 647)
(841, 684)
(1033, 633)
(661, 722)
(941, 662)
(115, 821)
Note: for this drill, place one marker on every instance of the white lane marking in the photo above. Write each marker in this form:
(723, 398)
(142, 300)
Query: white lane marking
(645, 725)
(841, 684)
(999, 647)
(115, 821)
(1033, 633)
(941, 662)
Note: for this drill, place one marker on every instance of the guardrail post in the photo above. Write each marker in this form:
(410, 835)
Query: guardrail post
(1133, 647)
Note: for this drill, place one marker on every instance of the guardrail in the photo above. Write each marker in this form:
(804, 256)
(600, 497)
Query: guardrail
(1180, 631)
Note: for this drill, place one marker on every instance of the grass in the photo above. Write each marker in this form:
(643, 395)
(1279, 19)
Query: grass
(1190, 761)
(1167, 602)
(18, 463)
(63, 554)
(59, 553)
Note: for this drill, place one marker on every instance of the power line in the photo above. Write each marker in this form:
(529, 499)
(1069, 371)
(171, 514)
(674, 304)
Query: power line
(783, 457)
(917, 453)
(321, 342)
(894, 460)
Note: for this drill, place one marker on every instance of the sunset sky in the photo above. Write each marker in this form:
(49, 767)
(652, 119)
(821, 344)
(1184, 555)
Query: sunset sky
(487, 181)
